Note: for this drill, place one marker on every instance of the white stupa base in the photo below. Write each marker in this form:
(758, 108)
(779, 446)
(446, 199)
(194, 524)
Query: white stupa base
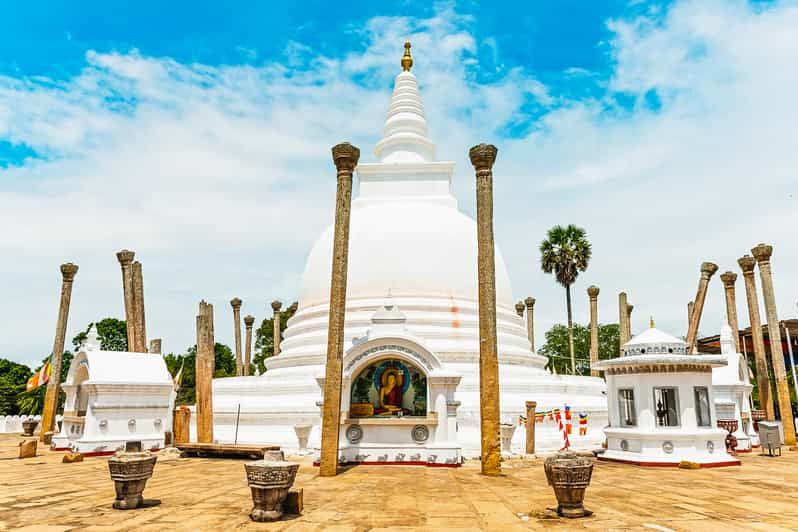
(706, 448)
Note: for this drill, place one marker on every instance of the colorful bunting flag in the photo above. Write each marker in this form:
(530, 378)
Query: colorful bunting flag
(39, 378)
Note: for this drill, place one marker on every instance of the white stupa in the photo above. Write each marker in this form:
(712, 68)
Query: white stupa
(411, 252)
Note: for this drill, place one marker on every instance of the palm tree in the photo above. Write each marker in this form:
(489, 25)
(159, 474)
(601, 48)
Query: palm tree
(566, 252)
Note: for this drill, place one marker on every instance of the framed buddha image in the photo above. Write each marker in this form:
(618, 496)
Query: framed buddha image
(389, 388)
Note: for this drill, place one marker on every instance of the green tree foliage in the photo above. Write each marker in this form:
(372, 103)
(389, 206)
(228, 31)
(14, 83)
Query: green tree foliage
(565, 252)
(225, 366)
(264, 337)
(32, 403)
(558, 350)
(112, 333)
(13, 377)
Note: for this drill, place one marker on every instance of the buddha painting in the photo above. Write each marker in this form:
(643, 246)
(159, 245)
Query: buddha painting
(389, 388)
(391, 394)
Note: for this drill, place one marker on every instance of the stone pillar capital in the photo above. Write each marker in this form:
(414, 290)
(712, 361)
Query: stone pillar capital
(277, 305)
(483, 156)
(125, 257)
(248, 321)
(530, 302)
(68, 271)
(708, 269)
(345, 156)
(630, 308)
(747, 264)
(762, 253)
(593, 291)
(519, 308)
(235, 303)
(292, 307)
(728, 279)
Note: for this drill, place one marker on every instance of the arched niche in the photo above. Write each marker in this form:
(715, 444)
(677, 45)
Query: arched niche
(389, 386)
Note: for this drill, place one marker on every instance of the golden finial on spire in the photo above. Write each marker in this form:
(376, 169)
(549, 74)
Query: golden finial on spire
(651, 322)
(407, 60)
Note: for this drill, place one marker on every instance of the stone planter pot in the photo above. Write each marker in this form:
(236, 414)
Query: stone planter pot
(569, 476)
(269, 482)
(130, 470)
(28, 426)
(507, 432)
(302, 435)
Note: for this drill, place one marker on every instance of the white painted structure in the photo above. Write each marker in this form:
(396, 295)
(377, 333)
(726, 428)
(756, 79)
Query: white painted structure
(407, 240)
(661, 404)
(732, 389)
(13, 424)
(113, 397)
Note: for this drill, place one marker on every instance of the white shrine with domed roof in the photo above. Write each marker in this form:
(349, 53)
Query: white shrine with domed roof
(411, 388)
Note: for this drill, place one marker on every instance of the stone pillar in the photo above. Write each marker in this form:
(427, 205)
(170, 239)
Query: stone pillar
(592, 293)
(623, 318)
(530, 426)
(236, 304)
(530, 320)
(125, 258)
(345, 157)
(708, 269)
(519, 309)
(182, 423)
(728, 279)
(276, 306)
(155, 346)
(68, 272)
(138, 307)
(690, 306)
(762, 254)
(629, 309)
(248, 321)
(747, 264)
(204, 373)
(482, 157)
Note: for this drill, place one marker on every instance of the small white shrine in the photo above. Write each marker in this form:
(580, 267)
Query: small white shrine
(113, 397)
(732, 387)
(661, 405)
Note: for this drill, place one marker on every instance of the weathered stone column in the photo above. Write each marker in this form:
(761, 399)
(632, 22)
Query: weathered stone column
(276, 306)
(519, 309)
(138, 307)
(728, 279)
(708, 269)
(155, 346)
(345, 157)
(690, 306)
(236, 304)
(747, 264)
(68, 272)
(248, 321)
(530, 426)
(629, 309)
(623, 318)
(482, 157)
(592, 293)
(204, 373)
(530, 320)
(125, 258)
(762, 254)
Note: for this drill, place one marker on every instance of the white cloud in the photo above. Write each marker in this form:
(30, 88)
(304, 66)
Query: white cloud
(220, 177)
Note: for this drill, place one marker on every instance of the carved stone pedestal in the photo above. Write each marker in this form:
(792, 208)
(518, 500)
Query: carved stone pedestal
(269, 482)
(569, 476)
(130, 470)
(28, 426)
(507, 432)
(302, 435)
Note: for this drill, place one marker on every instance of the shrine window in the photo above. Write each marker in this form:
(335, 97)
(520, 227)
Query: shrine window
(389, 388)
(627, 411)
(666, 403)
(702, 416)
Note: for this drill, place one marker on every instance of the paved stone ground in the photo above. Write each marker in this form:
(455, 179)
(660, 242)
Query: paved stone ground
(211, 494)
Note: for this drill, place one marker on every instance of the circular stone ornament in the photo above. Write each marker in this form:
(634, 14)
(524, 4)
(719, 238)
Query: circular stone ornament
(420, 433)
(710, 446)
(667, 447)
(624, 445)
(354, 433)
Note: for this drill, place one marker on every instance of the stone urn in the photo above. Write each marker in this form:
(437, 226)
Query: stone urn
(269, 482)
(28, 426)
(302, 435)
(569, 476)
(507, 431)
(130, 470)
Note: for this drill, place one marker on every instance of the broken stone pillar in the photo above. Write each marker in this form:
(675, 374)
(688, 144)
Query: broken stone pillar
(248, 321)
(276, 306)
(762, 254)
(482, 157)
(708, 269)
(728, 279)
(125, 258)
(530, 426)
(182, 424)
(138, 307)
(27, 448)
(236, 304)
(690, 306)
(747, 264)
(155, 346)
(629, 309)
(204, 373)
(530, 320)
(592, 293)
(623, 318)
(519, 309)
(68, 272)
(345, 157)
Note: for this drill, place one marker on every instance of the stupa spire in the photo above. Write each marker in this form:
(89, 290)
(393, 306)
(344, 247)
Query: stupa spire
(407, 59)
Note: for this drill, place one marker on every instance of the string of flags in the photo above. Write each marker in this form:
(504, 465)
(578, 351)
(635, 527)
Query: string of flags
(563, 422)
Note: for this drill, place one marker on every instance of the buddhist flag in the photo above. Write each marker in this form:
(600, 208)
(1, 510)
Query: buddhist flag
(521, 421)
(39, 378)
(563, 432)
(582, 423)
(568, 424)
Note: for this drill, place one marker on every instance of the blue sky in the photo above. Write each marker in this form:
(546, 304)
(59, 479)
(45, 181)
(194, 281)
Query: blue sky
(198, 134)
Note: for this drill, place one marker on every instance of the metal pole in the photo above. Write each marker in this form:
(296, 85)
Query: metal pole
(238, 414)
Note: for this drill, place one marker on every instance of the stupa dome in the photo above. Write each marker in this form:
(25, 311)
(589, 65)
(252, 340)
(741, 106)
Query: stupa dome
(653, 341)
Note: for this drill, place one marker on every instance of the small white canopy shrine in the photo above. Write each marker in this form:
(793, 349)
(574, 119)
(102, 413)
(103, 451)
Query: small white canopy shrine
(661, 406)
(732, 388)
(113, 397)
